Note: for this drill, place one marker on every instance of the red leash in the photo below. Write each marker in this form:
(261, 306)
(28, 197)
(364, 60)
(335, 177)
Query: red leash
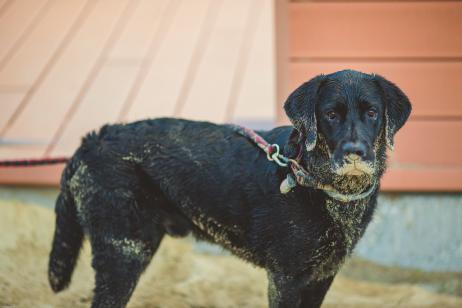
(271, 150)
(298, 175)
(34, 162)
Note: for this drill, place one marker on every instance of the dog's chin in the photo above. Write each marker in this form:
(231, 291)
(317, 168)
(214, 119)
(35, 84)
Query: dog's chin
(353, 177)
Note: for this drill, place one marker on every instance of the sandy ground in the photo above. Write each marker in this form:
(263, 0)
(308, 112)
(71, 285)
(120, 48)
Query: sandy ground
(178, 277)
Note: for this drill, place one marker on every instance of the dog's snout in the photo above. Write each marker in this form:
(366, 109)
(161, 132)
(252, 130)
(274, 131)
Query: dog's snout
(354, 150)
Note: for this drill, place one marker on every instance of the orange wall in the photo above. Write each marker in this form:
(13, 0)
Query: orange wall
(416, 44)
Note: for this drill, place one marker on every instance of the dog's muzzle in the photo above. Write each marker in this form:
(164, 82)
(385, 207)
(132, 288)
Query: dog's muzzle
(353, 159)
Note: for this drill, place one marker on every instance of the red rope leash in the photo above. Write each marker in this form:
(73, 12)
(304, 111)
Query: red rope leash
(34, 162)
(271, 150)
(299, 174)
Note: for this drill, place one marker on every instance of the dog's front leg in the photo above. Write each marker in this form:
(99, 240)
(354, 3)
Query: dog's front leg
(295, 292)
(313, 294)
(284, 291)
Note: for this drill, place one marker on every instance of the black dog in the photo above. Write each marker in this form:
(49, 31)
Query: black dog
(128, 185)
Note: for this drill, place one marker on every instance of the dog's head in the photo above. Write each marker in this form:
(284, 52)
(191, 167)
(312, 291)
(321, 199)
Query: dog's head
(343, 122)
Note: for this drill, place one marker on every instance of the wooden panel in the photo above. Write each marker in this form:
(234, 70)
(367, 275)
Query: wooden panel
(8, 104)
(15, 22)
(434, 88)
(38, 17)
(428, 144)
(100, 105)
(212, 84)
(170, 58)
(25, 65)
(64, 81)
(40, 175)
(431, 180)
(282, 58)
(255, 101)
(376, 29)
(135, 39)
(93, 74)
(242, 64)
(57, 68)
(4, 6)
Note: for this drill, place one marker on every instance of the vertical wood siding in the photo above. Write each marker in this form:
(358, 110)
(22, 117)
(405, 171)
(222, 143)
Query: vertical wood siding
(417, 45)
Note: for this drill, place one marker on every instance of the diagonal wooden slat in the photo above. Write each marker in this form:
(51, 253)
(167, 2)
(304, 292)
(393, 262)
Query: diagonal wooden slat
(41, 45)
(16, 23)
(9, 101)
(16, 45)
(240, 69)
(64, 78)
(162, 86)
(151, 53)
(4, 6)
(95, 70)
(257, 97)
(135, 39)
(61, 85)
(197, 55)
(47, 68)
(211, 86)
(100, 105)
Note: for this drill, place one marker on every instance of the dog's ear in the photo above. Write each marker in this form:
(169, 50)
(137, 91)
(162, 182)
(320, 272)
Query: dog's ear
(300, 108)
(292, 147)
(397, 108)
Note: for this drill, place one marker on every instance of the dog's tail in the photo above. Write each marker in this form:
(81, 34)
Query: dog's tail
(67, 239)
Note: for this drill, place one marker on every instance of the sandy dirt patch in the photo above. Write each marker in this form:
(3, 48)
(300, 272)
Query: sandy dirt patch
(178, 277)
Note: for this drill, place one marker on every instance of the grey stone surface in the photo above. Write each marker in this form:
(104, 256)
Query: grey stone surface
(416, 230)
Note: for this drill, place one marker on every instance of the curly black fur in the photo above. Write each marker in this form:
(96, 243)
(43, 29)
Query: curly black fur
(130, 184)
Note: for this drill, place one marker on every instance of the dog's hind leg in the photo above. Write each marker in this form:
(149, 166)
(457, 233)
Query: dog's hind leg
(123, 238)
(118, 263)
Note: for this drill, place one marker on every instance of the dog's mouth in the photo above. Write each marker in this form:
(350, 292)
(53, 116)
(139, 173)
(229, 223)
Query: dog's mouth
(354, 168)
(347, 175)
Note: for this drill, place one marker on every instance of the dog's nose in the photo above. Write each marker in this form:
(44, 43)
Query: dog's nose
(354, 150)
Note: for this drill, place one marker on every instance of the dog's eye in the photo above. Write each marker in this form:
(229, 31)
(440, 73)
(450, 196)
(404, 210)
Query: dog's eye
(331, 115)
(371, 113)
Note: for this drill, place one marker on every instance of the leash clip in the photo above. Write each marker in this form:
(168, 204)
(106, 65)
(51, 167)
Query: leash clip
(275, 156)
